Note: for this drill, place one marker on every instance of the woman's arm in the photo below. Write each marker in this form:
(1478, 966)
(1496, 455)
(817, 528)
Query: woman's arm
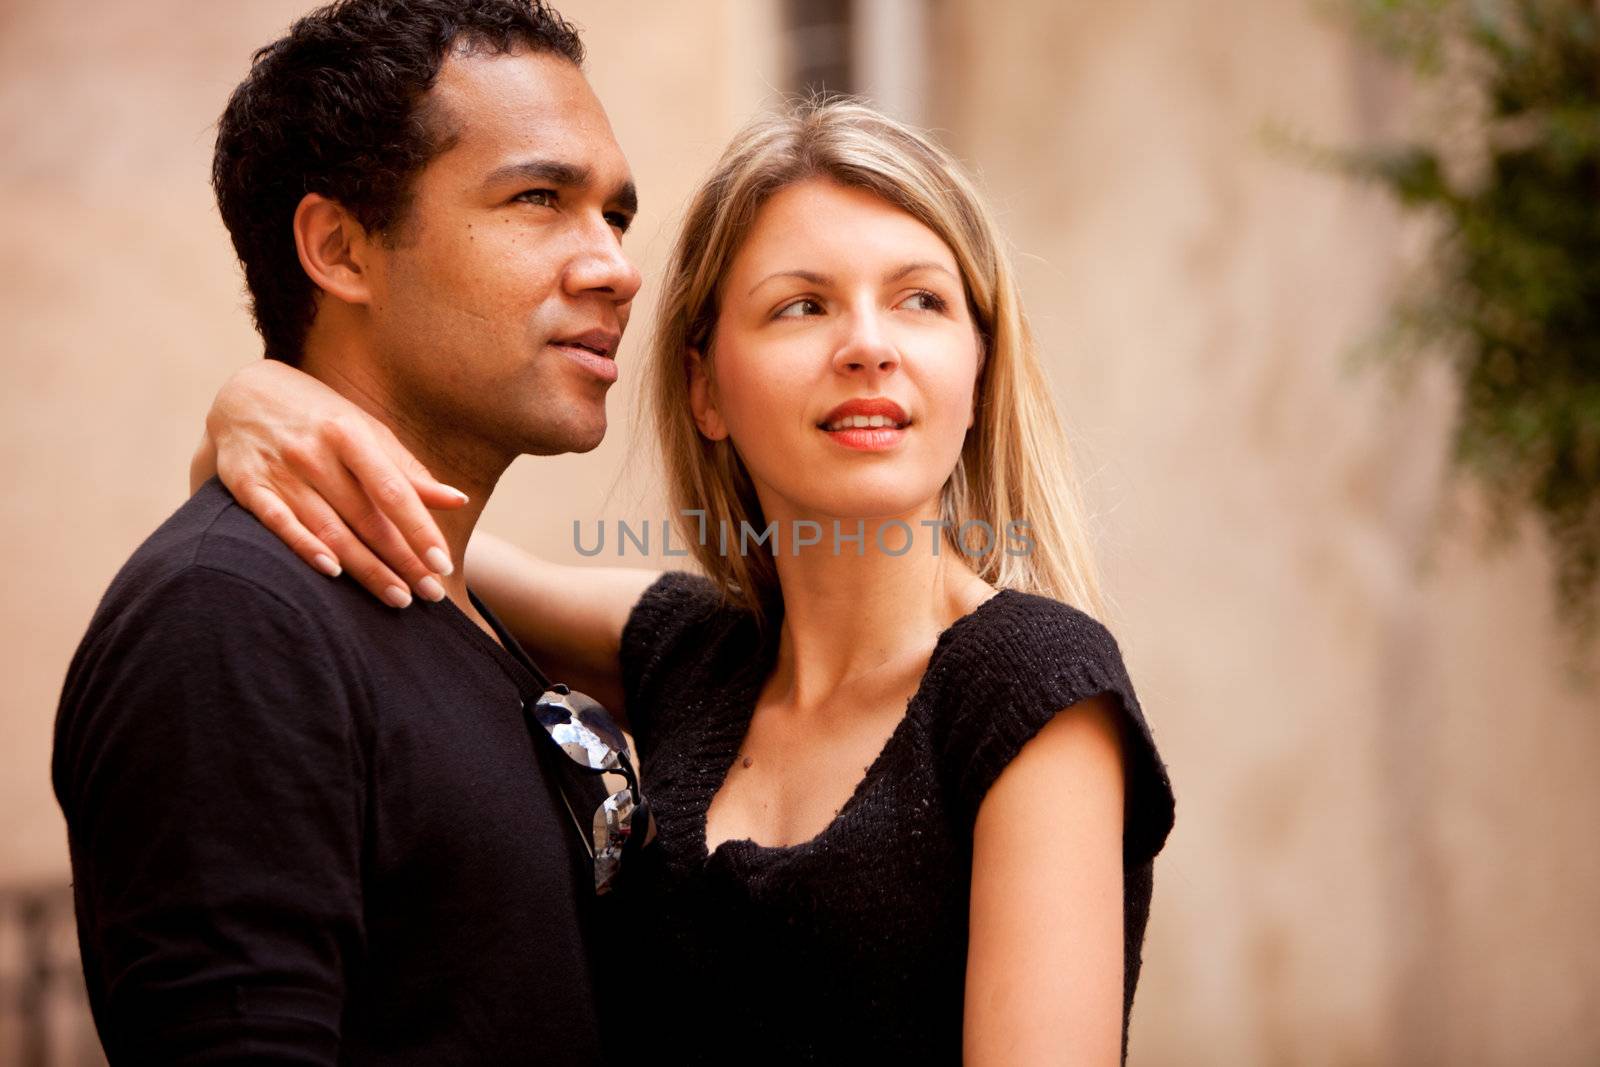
(569, 618)
(1044, 964)
(302, 458)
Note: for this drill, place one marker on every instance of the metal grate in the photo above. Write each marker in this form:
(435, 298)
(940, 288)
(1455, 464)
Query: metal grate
(44, 1011)
(818, 36)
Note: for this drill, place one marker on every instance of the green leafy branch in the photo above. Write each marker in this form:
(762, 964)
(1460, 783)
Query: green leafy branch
(1513, 299)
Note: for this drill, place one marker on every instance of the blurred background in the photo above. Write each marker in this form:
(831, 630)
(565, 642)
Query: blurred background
(1381, 728)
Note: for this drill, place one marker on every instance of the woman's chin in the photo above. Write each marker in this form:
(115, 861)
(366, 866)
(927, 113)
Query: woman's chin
(871, 505)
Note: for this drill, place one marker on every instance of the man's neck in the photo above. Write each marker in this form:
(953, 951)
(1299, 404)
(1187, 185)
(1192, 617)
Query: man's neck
(474, 470)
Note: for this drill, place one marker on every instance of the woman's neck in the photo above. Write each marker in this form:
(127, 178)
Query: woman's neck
(849, 617)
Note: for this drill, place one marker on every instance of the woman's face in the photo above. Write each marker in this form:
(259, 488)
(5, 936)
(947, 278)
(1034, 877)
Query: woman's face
(844, 358)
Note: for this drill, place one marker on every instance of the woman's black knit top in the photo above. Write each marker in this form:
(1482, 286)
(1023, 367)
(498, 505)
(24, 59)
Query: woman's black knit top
(850, 947)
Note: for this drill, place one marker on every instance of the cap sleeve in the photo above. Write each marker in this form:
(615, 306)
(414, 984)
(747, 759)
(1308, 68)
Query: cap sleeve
(1030, 659)
(661, 640)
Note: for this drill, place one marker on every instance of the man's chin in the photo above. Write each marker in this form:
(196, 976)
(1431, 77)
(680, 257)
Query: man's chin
(557, 441)
(589, 442)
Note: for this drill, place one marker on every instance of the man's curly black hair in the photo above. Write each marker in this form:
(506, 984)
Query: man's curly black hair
(337, 107)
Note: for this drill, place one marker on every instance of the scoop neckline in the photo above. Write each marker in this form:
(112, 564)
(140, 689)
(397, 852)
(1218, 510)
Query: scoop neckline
(733, 736)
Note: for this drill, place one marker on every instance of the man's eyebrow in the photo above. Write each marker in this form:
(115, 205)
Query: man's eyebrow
(557, 172)
(541, 170)
(627, 198)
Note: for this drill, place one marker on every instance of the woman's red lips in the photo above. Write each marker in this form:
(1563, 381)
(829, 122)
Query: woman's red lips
(892, 414)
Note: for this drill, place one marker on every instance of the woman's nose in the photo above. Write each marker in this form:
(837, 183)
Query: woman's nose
(866, 349)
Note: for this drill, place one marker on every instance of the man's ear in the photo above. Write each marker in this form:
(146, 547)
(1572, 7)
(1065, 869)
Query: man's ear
(701, 400)
(335, 250)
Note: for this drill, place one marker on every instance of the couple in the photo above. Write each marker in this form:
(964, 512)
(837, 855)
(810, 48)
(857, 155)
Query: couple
(903, 802)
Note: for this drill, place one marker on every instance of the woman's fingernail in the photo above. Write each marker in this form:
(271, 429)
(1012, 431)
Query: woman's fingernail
(459, 494)
(438, 562)
(396, 597)
(430, 589)
(327, 565)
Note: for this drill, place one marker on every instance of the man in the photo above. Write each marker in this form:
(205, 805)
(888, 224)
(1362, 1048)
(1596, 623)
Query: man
(306, 827)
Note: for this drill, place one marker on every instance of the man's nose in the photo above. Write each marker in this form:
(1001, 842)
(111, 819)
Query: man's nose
(601, 266)
(866, 348)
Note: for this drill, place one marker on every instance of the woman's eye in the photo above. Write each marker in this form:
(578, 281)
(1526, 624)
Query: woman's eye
(538, 197)
(925, 301)
(799, 309)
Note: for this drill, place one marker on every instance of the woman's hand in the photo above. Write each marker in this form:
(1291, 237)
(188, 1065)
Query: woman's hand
(330, 480)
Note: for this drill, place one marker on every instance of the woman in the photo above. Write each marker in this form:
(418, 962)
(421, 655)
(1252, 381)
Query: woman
(902, 814)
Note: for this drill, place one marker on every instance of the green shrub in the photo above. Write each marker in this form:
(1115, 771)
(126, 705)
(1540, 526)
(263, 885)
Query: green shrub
(1513, 296)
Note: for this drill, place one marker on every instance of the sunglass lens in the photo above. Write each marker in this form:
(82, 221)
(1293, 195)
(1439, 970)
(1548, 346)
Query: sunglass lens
(580, 726)
(613, 824)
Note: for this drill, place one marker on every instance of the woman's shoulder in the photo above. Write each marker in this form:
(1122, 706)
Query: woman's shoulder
(1012, 665)
(1016, 632)
(678, 629)
(676, 607)
(675, 595)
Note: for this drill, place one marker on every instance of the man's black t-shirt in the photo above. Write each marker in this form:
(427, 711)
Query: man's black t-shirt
(309, 828)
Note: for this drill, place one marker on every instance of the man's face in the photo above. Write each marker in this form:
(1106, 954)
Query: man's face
(498, 304)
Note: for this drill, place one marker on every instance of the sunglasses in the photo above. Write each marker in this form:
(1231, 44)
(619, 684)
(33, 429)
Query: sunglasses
(586, 733)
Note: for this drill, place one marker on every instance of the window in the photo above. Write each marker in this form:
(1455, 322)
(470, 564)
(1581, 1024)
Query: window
(877, 49)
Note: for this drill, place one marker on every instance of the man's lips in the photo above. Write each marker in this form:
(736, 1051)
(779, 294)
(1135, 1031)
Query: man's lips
(601, 342)
(594, 349)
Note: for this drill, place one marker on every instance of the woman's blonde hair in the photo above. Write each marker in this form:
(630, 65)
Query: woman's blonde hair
(1014, 466)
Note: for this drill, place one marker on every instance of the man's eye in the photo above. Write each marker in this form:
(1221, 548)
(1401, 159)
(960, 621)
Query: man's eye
(799, 309)
(538, 197)
(620, 221)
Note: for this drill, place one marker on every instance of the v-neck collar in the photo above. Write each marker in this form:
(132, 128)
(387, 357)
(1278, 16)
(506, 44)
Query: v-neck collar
(508, 655)
(723, 742)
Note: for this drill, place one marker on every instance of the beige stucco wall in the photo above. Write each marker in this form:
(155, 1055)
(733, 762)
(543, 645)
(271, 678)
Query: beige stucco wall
(123, 308)
(1384, 777)
(1385, 783)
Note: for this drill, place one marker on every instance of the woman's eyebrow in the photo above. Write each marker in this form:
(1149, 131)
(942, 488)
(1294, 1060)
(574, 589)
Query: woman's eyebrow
(913, 267)
(811, 277)
(808, 276)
